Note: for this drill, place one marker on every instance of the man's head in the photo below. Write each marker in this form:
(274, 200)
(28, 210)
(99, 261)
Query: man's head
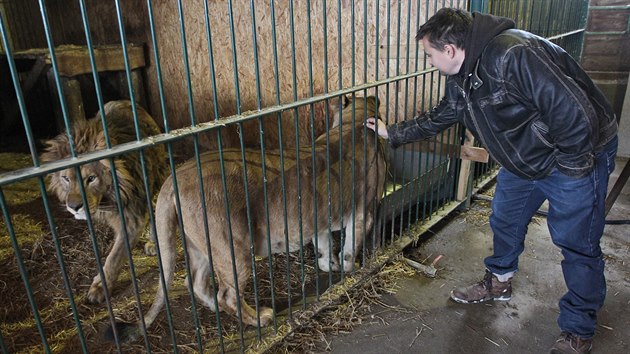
(443, 37)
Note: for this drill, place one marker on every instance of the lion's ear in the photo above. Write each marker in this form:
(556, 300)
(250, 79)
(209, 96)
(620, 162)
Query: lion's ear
(100, 143)
(56, 148)
(346, 101)
(377, 102)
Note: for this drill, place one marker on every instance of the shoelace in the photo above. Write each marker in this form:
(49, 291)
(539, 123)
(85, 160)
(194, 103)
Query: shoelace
(564, 336)
(487, 281)
(574, 341)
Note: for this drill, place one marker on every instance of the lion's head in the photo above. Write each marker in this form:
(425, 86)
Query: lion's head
(96, 176)
(360, 105)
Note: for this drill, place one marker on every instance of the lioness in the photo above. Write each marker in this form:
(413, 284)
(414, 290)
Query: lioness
(97, 181)
(367, 188)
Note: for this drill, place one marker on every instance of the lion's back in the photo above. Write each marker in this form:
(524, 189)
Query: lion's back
(122, 129)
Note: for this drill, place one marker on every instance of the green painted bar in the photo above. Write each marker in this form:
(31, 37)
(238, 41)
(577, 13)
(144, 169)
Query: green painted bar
(297, 154)
(282, 166)
(264, 169)
(312, 125)
(132, 271)
(158, 71)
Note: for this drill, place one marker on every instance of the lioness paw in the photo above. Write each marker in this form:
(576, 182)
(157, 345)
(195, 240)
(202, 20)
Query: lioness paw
(96, 294)
(348, 261)
(150, 249)
(328, 265)
(266, 315)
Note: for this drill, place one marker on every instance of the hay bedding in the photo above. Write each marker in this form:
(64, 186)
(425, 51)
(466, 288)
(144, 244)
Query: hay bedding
(18, 327)
(356, 308)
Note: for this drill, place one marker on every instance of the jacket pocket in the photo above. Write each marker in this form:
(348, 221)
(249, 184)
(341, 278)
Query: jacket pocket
(575, 166)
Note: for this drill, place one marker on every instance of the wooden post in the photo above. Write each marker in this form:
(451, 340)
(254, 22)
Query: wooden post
(74, 99)
(136, 85)
(465, 177)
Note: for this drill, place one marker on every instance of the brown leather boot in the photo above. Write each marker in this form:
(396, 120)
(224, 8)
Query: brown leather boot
(490, 288)
(570, 343)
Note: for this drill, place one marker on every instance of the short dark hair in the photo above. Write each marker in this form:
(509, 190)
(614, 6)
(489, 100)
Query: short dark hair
(447, 26)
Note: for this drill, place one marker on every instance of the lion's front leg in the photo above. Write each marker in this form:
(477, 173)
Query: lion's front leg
(114, 261)
(353, 242)
(150, 249)
(326, 260)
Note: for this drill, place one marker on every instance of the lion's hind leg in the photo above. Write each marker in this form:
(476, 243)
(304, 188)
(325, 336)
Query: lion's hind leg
(228, 297)
(228, 301)
(200, 268)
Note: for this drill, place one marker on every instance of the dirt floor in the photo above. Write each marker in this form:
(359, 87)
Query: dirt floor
(39, 263)
(420, 318)
(40, 307)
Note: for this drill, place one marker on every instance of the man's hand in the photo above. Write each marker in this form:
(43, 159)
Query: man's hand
(382, 128)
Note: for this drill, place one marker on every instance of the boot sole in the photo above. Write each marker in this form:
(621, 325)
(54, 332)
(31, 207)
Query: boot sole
(462, 301)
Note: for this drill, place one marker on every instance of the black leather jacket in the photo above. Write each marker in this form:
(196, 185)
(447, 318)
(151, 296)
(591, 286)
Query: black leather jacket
(529, 103)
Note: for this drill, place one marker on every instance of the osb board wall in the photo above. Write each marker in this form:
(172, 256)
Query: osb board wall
(391, 59)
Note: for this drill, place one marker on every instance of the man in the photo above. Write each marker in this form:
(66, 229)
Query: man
(543, 120)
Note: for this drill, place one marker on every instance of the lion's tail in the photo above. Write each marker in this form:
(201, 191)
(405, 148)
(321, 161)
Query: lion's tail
(166, 223)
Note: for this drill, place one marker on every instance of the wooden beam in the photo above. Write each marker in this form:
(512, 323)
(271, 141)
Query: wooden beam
(73, 60)
(472, 153)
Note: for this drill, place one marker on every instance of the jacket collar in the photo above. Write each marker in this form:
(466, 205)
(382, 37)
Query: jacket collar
(483, 29)
(473, 77)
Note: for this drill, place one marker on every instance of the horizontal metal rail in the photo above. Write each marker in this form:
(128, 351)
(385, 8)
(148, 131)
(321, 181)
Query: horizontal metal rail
(610, 7)
(177, 134)
(567, 34)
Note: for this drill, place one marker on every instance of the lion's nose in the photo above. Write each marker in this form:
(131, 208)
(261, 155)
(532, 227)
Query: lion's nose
(75, 205)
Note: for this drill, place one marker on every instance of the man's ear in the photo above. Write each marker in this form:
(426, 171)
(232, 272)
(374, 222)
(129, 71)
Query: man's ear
(450, 50)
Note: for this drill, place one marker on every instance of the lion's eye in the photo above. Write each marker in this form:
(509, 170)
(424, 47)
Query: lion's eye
(65, 178)
(91, 179)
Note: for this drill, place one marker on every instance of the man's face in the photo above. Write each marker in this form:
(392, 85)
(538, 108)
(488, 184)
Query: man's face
(447, 61)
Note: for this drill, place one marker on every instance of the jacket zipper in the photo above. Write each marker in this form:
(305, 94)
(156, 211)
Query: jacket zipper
(474, 121)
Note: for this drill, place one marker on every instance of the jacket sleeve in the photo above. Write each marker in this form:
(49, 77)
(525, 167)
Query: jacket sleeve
(547, 80)
(425, 125)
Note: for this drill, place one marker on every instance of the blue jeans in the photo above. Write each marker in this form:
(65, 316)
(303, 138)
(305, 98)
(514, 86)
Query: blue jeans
(576, 224)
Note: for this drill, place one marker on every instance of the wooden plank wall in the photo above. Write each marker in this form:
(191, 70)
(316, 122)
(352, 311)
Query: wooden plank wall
(67, 25)
(607, 48)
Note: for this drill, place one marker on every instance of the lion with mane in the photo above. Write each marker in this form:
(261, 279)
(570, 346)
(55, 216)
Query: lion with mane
(98, 183)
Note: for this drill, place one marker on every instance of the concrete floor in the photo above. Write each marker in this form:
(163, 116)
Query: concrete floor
(424, 320)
